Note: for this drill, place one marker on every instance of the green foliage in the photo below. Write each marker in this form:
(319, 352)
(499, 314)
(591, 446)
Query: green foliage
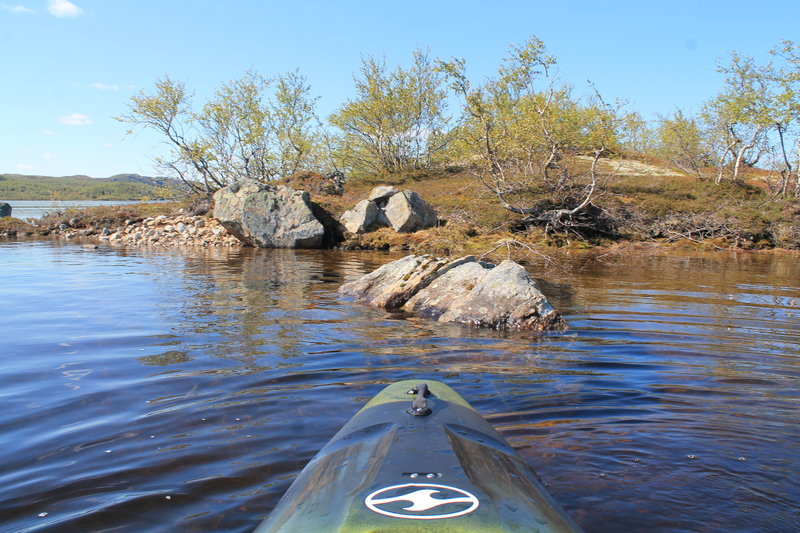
(244, 131)
(756, 115)
(635, 135)
(787, 115)
(526, 133)
(396, 121)
(296, 125)
(681, 141)
(739, 117)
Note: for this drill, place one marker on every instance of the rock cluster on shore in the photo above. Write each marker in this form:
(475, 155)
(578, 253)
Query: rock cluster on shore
(464, 291)
(164, 231)
(403, 211)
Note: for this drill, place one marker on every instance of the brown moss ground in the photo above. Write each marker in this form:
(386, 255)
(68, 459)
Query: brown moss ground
(10, 226)
(646, 202)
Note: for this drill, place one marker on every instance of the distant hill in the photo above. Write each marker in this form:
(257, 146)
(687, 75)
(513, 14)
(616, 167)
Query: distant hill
(117, 187)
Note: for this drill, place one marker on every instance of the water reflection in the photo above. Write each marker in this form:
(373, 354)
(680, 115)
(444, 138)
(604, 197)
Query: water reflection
(190, 387)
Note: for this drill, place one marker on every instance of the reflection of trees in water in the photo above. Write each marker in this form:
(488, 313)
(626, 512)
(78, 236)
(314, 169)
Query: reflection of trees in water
(267, 307)
(244, 304)
(722, 316)
(713, 284)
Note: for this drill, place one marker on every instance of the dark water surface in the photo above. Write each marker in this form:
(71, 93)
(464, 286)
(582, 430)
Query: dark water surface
(182, 391)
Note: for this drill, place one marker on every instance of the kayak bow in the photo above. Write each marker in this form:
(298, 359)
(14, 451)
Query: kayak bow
(417, 457)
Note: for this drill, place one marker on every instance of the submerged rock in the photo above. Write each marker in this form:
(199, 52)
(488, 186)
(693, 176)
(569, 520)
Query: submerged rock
(391, 285)
(268, 216)
(484, 295)
(463, 291)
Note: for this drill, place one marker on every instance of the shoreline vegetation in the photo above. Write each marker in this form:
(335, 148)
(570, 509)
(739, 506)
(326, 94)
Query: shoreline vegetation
(650, 204)
(521, 164)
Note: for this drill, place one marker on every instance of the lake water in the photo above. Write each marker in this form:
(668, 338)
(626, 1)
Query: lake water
(25, 209)
(149, 390)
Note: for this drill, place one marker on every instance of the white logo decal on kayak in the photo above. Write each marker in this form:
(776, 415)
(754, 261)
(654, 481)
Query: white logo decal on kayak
(386, 501)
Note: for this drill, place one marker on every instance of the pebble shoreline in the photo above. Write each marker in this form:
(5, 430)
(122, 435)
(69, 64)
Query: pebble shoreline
(163, 230)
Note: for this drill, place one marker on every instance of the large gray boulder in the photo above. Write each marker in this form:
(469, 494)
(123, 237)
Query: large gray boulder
(268, 216)
(363, 217)
(408, 212)
(463, 291)
(5, 210)
(391, 285)
(484, 295)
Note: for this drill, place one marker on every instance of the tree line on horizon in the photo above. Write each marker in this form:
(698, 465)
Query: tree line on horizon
(521, 131)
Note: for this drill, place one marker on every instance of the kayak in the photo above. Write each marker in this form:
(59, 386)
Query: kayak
(417, 458)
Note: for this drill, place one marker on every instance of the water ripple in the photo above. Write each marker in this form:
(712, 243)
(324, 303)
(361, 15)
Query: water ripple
(146, 387)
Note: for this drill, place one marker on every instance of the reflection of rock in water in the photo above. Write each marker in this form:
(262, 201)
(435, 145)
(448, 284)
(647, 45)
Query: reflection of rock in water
(170, 357)
(250, 302)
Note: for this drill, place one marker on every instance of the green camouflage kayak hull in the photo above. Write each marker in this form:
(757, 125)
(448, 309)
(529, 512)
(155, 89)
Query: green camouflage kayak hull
(417, 458)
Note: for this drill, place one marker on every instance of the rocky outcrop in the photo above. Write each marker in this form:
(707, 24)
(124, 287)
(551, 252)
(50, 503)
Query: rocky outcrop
(5, 210)
(381, 194)
(463, 291)
(403, 211)
(484, 295)
(268, 216)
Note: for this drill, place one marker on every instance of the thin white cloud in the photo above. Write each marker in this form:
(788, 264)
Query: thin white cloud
(63, 9)
(50, 133)
(76, 119)
(22, 166)
(18, 9)
(104, 87)
(100, 86)
(48, 155)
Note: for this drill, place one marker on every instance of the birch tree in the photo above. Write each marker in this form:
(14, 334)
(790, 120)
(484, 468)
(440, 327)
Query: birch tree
(681, 141)
(740, 116)
(787, 115)
(527, 134)
(252, 127)
(396, 121)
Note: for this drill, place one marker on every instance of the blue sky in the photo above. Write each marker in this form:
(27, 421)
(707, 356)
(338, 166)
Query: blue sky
(69, 67)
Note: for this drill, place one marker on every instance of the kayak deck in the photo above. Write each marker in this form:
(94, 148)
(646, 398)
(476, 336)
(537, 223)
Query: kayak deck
(391, 469)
